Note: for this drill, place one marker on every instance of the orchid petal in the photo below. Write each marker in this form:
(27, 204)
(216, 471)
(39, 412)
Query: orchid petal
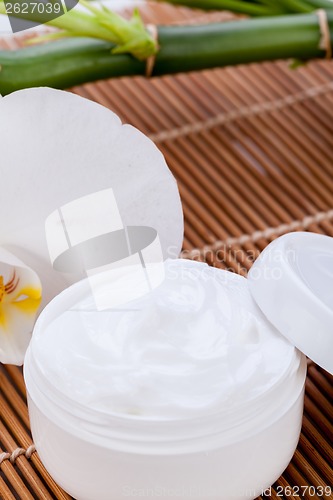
(19, 304)
(57, 147)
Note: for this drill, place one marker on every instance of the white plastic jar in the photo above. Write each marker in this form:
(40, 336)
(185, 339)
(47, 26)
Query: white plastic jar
(232, 445)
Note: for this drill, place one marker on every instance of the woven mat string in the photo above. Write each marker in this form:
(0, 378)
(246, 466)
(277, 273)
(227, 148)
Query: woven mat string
(14, 455)
(245, 112)
(325, 35)
(268, 234)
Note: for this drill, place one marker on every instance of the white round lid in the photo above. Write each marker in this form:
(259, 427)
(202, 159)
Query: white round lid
(292, 283)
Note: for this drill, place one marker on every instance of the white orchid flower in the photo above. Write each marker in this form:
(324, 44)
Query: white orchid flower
(57, 147)
(20, 297)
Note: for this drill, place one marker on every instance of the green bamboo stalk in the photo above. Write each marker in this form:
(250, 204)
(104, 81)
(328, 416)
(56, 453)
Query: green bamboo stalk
(237, 6)
(74, 61)
(321, 4)
(297, 6)
(260, 8)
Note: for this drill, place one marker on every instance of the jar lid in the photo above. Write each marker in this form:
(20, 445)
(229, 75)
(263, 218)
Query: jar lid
(292, 283)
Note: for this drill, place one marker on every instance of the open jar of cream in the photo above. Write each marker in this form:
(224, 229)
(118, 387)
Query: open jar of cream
(187, 392)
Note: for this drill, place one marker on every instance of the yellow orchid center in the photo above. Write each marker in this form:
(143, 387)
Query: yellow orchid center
(20, 297)
(6, 289)
(9, 287)
(2, 289)
(15, 300)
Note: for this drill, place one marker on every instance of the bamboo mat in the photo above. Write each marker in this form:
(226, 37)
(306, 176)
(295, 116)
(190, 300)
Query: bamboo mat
(252, 150)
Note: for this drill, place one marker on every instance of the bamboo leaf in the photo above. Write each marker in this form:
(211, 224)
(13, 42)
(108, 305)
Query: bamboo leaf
(47, 37)
(100, 22)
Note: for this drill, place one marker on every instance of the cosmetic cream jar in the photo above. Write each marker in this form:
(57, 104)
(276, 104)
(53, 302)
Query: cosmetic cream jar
(228, 426)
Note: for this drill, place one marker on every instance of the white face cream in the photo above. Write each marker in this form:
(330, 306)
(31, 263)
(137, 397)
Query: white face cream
(195, 345)
(171, 395)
